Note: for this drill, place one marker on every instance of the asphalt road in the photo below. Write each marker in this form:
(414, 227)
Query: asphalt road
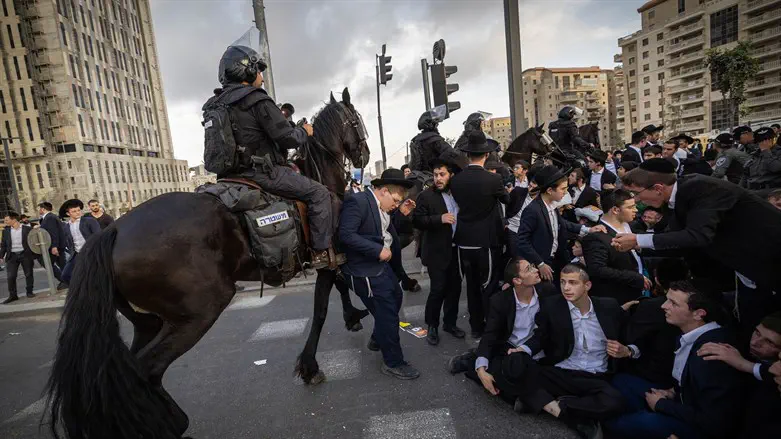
(228, 396)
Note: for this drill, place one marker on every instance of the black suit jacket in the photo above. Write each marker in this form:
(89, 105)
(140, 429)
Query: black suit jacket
(535, 235)
(437, 242)
(5, 246)
(478, 194)
(608, 177)
(556, 336)
(88, 226)
(613, 273)
(588, 197)
(708, 393)
(499, 325)
(631, 155)
(729, 224)
(649, 331)
(517, 198)
(53, 225)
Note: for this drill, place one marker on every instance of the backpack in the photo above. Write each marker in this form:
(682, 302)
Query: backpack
(220, 151)
(415, 159)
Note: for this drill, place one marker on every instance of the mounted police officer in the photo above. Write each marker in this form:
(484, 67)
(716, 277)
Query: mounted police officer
(763, 171)
(473, 123)
(264, 136)
(564, 132)
(428, 144)
(730, 161)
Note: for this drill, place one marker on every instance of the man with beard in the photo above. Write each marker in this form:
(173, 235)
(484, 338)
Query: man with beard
(435, 215)
(97, 212)
(427, 145)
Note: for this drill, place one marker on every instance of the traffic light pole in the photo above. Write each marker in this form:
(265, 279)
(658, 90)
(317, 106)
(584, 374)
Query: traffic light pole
(379, 113)
(426, 89)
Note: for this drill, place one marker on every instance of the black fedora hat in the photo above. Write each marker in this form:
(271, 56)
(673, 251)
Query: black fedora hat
(445, 161)
(650, 129)
(477, 143)
(683, 136)
(393, 176)
(548, 176)
(66, 206)
(493, 163)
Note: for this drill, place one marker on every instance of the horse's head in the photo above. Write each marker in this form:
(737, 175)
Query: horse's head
(340, 128)
(534, 140)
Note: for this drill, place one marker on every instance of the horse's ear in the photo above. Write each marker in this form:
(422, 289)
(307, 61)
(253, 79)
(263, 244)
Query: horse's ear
(346, 96)
(333, 100)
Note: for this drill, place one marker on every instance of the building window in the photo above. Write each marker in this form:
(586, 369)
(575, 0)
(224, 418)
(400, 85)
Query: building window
(30, 130)
(2, 102)
(681, 6)
(24, 99)
(16, 67)
(660, 63)
(39, 174)
(81, 126)
(720, 119)
(646, 80)
(647, 117)
(647, 104)
(660, 50)
(646, 67)
(660, 76)
(645, 40)
(724, 26)
(645, 55)
(108, 174)
(659, 37)
(647, 92)
(631, 60)
(631, 73)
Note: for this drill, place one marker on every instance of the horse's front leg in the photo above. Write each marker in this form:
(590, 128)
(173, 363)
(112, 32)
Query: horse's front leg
(306, 364)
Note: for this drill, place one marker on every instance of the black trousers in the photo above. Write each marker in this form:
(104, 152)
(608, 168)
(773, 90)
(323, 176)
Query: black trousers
(513, 374)
(445, 292)
(12, 264)
(478, 266)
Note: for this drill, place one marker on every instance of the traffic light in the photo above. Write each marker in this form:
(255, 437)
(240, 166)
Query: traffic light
(385, 67)
(439, 74)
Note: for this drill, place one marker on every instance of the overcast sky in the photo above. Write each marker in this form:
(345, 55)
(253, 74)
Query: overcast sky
(318, 46)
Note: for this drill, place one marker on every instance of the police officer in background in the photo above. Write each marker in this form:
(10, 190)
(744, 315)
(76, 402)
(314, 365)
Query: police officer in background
(744, 136)
(564, 132)
(261, 128)
(763, 170)
(473, 123)
(428, 144)
(730, 161)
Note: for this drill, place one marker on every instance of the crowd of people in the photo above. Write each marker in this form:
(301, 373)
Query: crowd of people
(636, 297)
(69, 231)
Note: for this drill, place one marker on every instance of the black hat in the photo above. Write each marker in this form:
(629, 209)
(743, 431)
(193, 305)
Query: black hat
(393, 176)
(725, 139)
(445, 161)
(66, 206)
(492, 163)
(479, 144)
(764, 133)
(776, 126)
(650, 129)
(598, 156)
(289, 107)
(739, 131)
(628, 165)
(638, 136)
(548, 176)
(682, 136)
(658, 165)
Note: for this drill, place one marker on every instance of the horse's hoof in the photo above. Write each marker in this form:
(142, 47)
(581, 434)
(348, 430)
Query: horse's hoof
(319, 378)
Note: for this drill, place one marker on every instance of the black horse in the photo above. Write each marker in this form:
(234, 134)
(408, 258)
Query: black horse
(590, 133)
(177, 257)
(534, 143)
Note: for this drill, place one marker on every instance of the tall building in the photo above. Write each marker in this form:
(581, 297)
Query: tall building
(500, 129)
(82, 95)
(667, 81)
(200, 176)
(592, 89)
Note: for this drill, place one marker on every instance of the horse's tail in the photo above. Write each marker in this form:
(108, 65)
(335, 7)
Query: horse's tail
(97, 388)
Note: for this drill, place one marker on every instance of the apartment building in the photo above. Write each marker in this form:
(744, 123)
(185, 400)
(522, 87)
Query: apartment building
(81, 99)
(592, 89)
(500, 129)
(666, 80)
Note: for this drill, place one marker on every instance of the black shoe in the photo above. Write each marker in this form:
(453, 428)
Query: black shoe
(10, 299)
(403, 372)
(589, 430)
(454, 330)
(373, 346)
(62, 286)
(433, 336)
(518, 406)
(461, 363)
(412, 286)
(31, 295)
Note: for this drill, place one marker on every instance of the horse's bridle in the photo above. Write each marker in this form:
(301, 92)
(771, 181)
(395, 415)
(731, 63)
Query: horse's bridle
(353, 119)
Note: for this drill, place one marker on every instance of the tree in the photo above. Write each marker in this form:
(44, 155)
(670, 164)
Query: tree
(730, 70)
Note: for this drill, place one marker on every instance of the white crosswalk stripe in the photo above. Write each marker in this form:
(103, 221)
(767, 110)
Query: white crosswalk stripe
(339, 365)
(415, 313)
(35, 408)
(424, 424)
(250, 302)
(280, 329)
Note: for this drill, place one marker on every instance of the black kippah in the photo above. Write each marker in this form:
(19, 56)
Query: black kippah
(658, 165)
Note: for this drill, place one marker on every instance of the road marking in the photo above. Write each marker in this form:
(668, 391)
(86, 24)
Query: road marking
(338, 365)
(250, 302)
(35, 408)
(415, 313)
(280, 329)
(424, 424)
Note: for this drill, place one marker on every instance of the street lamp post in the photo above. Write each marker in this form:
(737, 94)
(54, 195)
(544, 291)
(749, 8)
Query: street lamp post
(11, 176)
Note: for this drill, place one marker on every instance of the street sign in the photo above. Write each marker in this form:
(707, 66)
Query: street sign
(39, 240)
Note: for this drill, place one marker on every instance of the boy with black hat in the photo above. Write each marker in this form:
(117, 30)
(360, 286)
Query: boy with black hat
(713, 216)
(370, 242)
(730, 161)
(78, 230)
(480, 230)
(653, 132)
(763, 171)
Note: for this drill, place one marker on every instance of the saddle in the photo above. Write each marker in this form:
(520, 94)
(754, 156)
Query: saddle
(275, 226)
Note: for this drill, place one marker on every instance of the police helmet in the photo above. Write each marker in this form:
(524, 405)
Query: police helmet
(474, 121)
(427, 122)
(240, 64)
(569, 112)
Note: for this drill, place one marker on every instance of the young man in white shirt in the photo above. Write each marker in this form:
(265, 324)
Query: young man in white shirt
(78, 230)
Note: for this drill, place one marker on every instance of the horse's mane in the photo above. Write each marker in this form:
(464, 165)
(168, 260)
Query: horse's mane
(327, 122)
(317, 161)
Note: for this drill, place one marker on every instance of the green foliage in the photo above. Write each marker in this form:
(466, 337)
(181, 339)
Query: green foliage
(730, 71)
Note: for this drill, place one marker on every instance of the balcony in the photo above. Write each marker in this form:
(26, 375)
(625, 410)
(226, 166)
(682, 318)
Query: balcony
(700, 124)
(770, 66)
(568, 97)
(756, 5)
(685, 30)
(763, 115)
(688, 71)
(763, 83)
(684, 44)
(763, 100)
(699, 83)
(683, 17)
(765, 34)
(765, 18)
(689, 57)
(683, 100)
(625, 40)
(692, 112)
(617, 58)
(767, 50)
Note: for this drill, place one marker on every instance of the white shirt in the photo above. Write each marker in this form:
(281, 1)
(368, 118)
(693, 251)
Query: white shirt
(596, 180)
(647, 240)
(554, 225)
(610, 166)
(577, 191)
(523, 326)
(640, 153)
(16, 239)
(384, 221)
(687, 341)
(627, 229)
(452, 207)
(514, 223)
(681, 153)
(78, 238)
(589, 353)
(524, 183)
